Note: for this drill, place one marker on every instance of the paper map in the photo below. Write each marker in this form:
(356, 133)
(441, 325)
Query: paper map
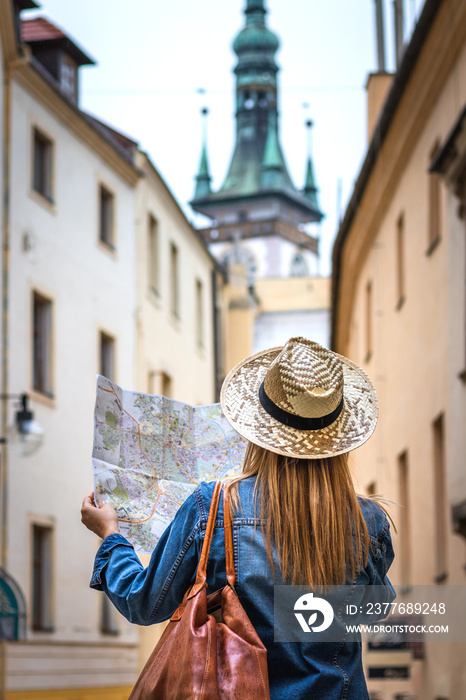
(151, 452)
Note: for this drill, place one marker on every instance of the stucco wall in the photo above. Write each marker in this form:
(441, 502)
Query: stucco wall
(418, 345)
(55, 250)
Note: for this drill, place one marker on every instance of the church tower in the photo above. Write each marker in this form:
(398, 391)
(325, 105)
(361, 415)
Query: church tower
(258, 214)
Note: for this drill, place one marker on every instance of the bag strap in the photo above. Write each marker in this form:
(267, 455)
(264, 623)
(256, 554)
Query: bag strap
(202, 566)
(229, 558)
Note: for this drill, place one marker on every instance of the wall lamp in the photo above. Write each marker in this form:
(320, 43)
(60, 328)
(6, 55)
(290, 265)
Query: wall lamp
(26, 435)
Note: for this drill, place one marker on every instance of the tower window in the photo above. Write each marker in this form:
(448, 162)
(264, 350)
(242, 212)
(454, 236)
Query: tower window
(262, 100)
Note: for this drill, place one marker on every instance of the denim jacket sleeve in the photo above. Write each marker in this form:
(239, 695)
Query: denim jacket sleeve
(146, 596)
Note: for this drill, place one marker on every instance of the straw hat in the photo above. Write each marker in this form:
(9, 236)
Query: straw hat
(300, 400)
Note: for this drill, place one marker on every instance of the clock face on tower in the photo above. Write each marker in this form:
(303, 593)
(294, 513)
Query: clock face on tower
(249, 103)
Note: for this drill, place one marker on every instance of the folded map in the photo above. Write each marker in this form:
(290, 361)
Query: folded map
(151, 452)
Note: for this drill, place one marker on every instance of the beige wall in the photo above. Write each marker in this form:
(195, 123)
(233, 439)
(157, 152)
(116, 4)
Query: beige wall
(279, 309)
(55, 250)
(166, 343)
(417, 346)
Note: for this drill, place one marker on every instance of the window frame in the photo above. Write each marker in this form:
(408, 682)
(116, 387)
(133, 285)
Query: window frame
(369, 311)
(43, 387)
(199, 314)
(174, 280)
(109, 340)
(153, 250)
(434, 200)
(400, 261)
(440, 499)
(404, 497)
(42, 617)
(42, 180)
(106, 224)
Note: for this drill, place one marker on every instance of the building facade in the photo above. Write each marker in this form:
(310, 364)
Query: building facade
(399, 271)
(101, 273)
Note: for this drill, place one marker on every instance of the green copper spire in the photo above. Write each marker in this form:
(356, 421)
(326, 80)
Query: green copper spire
(257, 160)
(310, 189)
(272, 163)
(258, 175)
(203, 178)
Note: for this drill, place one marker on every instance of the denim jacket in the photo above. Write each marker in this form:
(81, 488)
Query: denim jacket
(327, 671)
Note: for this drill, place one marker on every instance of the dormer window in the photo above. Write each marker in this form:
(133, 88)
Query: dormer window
(56, 52)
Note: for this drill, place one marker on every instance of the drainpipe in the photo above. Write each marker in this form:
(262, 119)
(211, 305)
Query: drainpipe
(5, 282)
(398, 16)
(4, 347)
(380, 33)
(216, 335)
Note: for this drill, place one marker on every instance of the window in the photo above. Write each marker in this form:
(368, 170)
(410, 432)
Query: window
(42, 344)
(153, 255)
(405, 525)
(106, 217)
(368, 321)
(108, 622)
(42, 578)
(440, 509)
(400, 261)
(174, 300)
(68, 77)
(160, 383)
(434, 224)
(107, 356)
(42, 168)
(199, 314)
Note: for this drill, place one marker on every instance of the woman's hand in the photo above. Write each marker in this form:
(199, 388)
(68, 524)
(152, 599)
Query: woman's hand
(100, 519)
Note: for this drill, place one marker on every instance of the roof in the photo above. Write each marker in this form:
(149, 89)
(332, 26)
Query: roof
(39, 31)
(395, 95)
(121, 141)
(27, 4)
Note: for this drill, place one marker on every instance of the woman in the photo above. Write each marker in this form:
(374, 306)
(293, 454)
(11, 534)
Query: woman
(296, 516)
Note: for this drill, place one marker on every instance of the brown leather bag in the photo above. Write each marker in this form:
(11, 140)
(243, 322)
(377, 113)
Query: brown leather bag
(197, 656)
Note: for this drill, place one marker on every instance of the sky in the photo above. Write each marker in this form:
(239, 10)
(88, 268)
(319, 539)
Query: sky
(159, 62)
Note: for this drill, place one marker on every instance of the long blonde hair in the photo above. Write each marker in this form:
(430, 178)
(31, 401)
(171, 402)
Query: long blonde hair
(310, 511)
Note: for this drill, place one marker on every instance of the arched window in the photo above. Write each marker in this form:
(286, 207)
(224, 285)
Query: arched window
(12, 609)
